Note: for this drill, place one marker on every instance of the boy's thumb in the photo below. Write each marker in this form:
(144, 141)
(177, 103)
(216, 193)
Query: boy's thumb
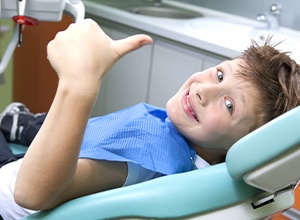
(131, 43)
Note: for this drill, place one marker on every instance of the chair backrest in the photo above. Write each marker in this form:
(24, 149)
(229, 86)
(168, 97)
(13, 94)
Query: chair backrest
(269, 157)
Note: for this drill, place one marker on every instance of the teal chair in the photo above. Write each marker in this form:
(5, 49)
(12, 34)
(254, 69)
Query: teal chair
(256, 182)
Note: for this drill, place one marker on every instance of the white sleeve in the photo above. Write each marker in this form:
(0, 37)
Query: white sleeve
(138, 174)
(200, 162)
(8, 208)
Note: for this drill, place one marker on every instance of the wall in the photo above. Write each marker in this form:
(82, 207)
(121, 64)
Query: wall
(290, 16)
(6, 86)
(29, 77)
(34, 80)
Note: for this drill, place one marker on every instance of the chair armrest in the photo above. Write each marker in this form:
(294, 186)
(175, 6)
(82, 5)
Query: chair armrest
(278, 174)
(171, 196)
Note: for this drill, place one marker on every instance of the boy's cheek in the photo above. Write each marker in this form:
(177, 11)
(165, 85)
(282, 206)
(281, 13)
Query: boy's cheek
(214, 129)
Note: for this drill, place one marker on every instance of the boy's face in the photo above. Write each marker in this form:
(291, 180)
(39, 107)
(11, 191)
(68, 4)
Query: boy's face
(214, 108)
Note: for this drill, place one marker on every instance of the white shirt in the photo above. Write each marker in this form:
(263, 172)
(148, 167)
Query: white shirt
(201, 163)
(9, 210)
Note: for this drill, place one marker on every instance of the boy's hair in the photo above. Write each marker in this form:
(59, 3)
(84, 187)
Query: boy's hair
(276, 77)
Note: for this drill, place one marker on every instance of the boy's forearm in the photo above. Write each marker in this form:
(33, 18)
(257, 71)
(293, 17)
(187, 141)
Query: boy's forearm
(53, 154)
(81, 56)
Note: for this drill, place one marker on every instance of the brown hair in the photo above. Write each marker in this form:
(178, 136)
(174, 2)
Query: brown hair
(276, 77)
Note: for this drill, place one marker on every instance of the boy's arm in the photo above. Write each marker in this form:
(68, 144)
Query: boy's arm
(81, 56)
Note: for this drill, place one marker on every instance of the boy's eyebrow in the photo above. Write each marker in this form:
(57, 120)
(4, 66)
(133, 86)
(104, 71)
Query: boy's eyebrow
(240, 102)
(241, 95)
(228, 66)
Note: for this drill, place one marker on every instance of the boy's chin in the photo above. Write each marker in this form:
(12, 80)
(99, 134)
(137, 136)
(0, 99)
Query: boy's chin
(171, 107)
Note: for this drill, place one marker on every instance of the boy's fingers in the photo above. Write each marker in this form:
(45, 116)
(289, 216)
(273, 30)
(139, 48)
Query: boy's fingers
(131, 43)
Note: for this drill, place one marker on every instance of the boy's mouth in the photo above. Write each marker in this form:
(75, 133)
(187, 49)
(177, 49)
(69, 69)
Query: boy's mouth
(190, 108)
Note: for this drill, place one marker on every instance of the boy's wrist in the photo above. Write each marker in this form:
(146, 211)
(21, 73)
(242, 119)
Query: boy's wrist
(81, 90)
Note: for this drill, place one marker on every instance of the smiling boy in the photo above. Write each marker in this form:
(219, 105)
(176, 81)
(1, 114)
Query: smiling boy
(210, 112)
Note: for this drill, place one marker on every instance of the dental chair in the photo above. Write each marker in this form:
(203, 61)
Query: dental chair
(256, 182)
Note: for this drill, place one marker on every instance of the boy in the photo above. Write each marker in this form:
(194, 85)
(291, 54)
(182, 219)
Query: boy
(210, 112)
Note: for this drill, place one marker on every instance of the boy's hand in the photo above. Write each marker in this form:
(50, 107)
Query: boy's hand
(80, 55)
(83, 53)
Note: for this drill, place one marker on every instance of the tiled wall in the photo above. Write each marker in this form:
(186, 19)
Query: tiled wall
(290, 16)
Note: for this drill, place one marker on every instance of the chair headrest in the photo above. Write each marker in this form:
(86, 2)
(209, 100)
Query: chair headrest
(265, 144)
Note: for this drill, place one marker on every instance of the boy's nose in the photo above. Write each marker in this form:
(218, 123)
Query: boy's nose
(206, 93)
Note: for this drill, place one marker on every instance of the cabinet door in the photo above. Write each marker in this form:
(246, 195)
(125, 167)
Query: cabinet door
(99, 107)
(126, 83)
(172, 65)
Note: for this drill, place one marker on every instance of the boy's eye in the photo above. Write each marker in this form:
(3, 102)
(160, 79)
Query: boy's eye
(229, 105)
(220, 76)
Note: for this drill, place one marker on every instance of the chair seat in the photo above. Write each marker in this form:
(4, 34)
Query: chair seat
(17, 148)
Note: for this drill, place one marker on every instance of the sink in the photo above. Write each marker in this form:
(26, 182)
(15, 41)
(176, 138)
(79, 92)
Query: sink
(224, 30)
(237, 34)
(230, 30)
(152, 8)
(164, 11)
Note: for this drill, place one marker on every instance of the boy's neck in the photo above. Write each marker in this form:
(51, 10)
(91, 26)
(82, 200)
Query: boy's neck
(212, 156)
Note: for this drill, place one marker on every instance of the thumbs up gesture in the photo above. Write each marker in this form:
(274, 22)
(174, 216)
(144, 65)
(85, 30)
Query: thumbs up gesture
(82, 54)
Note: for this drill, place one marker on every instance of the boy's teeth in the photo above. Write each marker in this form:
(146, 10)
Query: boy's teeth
(188, 104)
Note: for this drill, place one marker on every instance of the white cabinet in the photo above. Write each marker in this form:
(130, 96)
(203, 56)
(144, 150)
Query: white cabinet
(127, 82)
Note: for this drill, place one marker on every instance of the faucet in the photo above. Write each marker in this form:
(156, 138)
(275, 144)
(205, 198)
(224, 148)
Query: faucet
(157, 3)
(271, 17)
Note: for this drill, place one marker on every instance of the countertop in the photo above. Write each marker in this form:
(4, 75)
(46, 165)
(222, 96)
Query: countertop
(177, 29)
